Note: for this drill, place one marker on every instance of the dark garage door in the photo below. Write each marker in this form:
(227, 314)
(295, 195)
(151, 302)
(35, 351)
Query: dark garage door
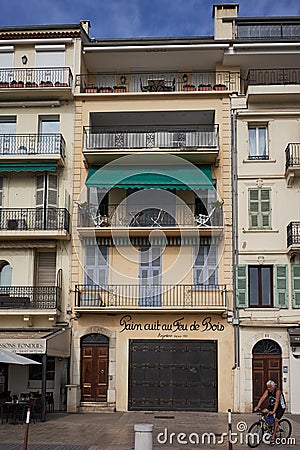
(173, 375)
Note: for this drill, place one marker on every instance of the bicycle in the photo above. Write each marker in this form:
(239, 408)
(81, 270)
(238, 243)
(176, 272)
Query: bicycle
(262, 430)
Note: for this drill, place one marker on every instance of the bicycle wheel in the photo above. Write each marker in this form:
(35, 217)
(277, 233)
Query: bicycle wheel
(254, 435)
(284, 429)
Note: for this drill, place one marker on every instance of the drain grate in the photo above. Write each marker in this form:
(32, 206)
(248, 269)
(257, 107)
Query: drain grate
(164, 417)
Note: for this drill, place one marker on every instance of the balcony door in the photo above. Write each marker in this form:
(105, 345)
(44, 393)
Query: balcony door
(150, 276)
(46, 201)
(49, 126)
(46, 269)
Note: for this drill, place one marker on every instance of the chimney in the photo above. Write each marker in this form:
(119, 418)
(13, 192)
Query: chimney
(86, 25)
(223, 30)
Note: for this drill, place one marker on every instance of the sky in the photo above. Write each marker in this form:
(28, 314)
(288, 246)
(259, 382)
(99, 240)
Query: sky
(136, 18)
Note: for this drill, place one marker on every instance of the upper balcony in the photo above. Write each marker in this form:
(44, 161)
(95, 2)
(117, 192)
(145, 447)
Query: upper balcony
(138, 298)
(200, 144)
(32, 148)
(292, 162)
(41, 83)
(34, 223)
(158, 82)
(30, 300)
(139, 220)
(264, 83)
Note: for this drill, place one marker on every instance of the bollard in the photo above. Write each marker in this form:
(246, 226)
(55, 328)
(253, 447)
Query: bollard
(229, 430)
(26, 429)
(143, 436)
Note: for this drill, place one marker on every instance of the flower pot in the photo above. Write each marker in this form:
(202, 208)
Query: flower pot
(189, 87)
(46, 84)
(29, 84)
(91, 90)
(59, 84)
(17, 84)
(105, 89)
(220, 87)
(119, 88)
(204, 87)
(4, 84)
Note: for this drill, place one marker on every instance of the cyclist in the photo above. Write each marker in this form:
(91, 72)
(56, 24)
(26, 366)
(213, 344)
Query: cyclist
(276, 406)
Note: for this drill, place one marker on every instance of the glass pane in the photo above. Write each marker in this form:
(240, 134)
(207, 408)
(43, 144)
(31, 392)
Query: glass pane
(266, 286)
(252, 141)
(262, 141)
(253, 193)
(5, 275)
(253, 286)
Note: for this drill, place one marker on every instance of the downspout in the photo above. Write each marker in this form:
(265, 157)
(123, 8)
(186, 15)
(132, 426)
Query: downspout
(235, 255)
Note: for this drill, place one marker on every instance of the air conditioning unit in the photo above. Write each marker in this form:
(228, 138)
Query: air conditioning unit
(16, 224)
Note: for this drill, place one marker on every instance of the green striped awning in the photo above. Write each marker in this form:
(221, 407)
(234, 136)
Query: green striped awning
(179, 177)
(28, 167)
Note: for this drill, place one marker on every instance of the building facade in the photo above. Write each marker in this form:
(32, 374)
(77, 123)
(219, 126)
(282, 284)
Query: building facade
(152, 253)
(37, 66)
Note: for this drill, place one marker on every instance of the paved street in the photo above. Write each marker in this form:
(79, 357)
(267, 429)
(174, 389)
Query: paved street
(114, 431)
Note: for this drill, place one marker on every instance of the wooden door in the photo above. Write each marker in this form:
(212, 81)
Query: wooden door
(265, 367)
(94, 373)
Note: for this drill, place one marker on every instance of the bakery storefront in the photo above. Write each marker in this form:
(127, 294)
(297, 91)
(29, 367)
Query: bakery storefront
(170, 362)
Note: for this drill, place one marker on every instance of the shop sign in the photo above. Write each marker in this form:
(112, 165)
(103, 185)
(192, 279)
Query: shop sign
(26, 346)
(179, 325)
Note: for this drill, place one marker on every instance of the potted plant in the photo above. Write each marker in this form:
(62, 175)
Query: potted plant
(4, 84)
(17, 84)
(31, 84)
(60, 84)
(47, 83)
(204, 87)
(119, 88)
(220, 87)
(105, 89)
(188, 87)
(91, 89)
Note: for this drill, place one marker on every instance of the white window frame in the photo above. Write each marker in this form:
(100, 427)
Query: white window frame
(254, 151)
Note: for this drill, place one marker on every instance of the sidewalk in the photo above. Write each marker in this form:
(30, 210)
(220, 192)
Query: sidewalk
(115, 431)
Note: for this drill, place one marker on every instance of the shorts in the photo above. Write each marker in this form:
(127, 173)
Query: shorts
(279, 412)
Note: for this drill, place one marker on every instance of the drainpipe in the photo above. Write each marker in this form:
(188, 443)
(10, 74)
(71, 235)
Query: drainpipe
(235, 241)
(43, 396)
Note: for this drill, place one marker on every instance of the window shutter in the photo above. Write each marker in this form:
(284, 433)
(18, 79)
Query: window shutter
(296, 285)
(52, 190)
(1, 192)
(265, 208)
(40, 191)
(96, 267)
(46, 269)
(281, 286)
(241, 286)
(253, 208)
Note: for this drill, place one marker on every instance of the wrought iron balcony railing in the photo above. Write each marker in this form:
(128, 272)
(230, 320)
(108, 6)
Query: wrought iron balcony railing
(117, 216)
(293, 233)
(36, 77)
(33, 219)
(30, 297)
(106, 139)
(32, 144)
(292, 156)
(158, 82)
(273, 77)
(185, 296)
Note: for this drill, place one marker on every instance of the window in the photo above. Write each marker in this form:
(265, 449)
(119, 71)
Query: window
(260, 286)
(8, 134)
(206, 265)
(96, 264)
(257, 138)
(48, 127)
(5, 274)
(260, 208)
(98, 198)
(35, 371)
(6, 63)
(1, 192)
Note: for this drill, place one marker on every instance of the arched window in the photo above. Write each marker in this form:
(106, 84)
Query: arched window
(266, 346)
(5, 274)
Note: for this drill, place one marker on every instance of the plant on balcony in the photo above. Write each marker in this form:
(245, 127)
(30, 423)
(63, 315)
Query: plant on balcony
(119, 88)
(105, 89)
(220, 87)
(204, 87)
(4, 84)
(47, 83)
(60, 84)
(17, 84)
(188, 87)
(91, 89)
(31, 84)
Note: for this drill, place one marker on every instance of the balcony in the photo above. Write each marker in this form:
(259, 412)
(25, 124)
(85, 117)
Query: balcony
(292, 162)
(30, 298)
(202, 141)
(18, 82)
(158, 82)
(184, 297)
(139, 220)
(264, 83)
(33, 147)
(293, 236)
(28, 223)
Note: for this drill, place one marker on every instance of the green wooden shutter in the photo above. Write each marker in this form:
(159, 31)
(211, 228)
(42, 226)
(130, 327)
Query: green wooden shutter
(241, 286)
(253, 208)
(296, 285)
(265, 208)
(281, 286)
